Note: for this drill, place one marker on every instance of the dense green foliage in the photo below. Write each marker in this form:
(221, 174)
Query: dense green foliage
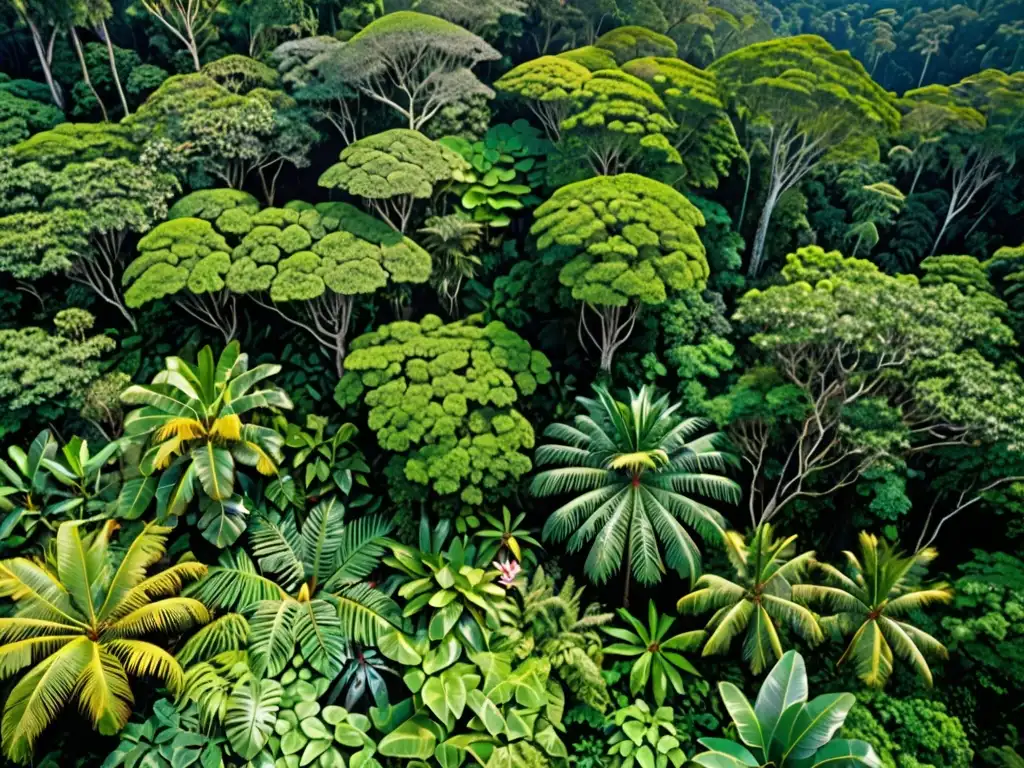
(511, 383)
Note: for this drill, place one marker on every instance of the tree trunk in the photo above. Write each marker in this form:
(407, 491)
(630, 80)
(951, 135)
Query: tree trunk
(757, 252)
(77, 45)
(113, 68)
(924, 69)
(44, 62)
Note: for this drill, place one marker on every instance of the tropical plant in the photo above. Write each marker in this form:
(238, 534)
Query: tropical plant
(761, 598)
(191, 420)
(782, 728)
(644, 738)
(449, 583)
(635, 467)
(41, 491)
(79, 619)
(362, 674)
(324, 461)
(169, 738)
(505, 535)
(451, 240)
(660, 658)
(871, 605)
(317, 598)
(554, 623)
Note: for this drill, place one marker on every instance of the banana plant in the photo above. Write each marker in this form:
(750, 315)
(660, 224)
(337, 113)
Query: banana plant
(309, 589)
(447, 588)
(191, 420)
(782, 729)
(659, 658)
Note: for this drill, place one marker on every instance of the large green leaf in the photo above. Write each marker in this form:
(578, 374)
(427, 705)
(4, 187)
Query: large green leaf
(785, 685)
(272, 635)
(412, 740)
(487, 711)
(743, 715)
(724, 754)
(397, 647)
(250, 715)
(134, 497)
(846, 753)
(223, 521)
(215, 469)
(322, 534)
(817, 723)
(321, 641)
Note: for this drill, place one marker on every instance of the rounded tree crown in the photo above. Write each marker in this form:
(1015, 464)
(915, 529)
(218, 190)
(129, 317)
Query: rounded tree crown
(396, 162)
(633, 239)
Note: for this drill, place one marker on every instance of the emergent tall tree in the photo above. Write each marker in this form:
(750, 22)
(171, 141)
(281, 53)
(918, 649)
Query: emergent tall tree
(811, 102)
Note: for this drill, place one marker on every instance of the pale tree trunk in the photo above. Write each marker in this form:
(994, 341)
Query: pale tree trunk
(44, 62)
(616, 325)
(113, 67)
(77, 45)
(924, 69)
(979, 171)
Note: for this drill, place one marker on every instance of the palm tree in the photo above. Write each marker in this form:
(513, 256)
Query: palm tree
(191, 416)
(758, 600)
(884, 588)
(634, 468)
(451, 241)
(78, 625)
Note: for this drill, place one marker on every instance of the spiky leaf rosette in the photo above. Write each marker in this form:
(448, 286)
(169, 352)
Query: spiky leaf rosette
(873, 605)
(634, 239)
(637, 472)
(444, 396)
(81, 627)
(758, 600)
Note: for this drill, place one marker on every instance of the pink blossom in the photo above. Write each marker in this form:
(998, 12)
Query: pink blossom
(509, 571)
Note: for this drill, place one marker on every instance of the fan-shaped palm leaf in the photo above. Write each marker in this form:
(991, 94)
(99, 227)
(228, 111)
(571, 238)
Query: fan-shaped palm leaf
(882, 588)
(72, 623)
(760, 597)
(635, 469)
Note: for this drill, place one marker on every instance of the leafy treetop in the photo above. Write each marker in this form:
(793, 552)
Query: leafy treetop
(446, 393)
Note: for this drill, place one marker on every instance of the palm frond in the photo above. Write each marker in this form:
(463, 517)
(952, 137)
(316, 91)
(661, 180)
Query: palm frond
(171, 616)
(145, 550)
(318, 632)
(40, 695)
(871, 653)
(18, 654)
(762, 646)
(164, 584)
(366, 613)
(552, 482)
(272, 635)
(904, 646)
(104, 695)
(229, 632)
(912, 601)
(799, 618)
(728, 623)
(142, 659)
(39, 594)
(362, 544)
(278, 549)
(234, 584)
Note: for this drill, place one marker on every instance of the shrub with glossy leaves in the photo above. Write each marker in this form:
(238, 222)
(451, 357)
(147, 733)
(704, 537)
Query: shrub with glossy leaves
(444, 395)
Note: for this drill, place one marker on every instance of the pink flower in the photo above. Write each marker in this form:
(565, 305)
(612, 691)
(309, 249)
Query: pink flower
(509, 571)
